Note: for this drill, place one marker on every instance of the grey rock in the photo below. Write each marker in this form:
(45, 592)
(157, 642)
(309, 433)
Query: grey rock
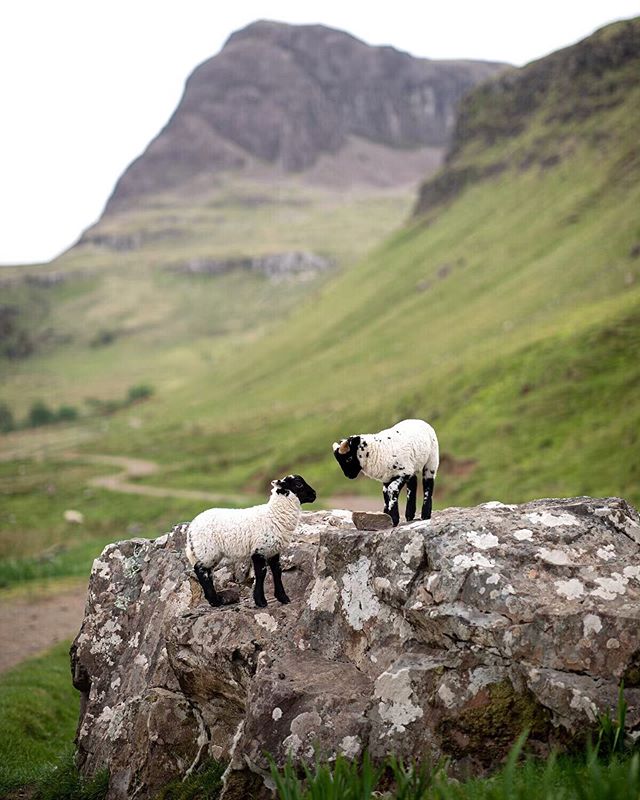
(432, 639)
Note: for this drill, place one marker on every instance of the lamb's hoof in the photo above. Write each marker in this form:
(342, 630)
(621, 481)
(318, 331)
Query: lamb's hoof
(260, 602)
(283, 599)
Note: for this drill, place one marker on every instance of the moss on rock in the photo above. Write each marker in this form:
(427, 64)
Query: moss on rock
(487, 729)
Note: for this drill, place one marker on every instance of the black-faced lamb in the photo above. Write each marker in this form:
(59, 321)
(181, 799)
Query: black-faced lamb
(395, 457)
(237, 533)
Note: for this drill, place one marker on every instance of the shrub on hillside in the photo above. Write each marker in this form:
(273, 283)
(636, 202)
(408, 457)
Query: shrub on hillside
(104, 407)
(103, 338)
(40, 414)
(7, 422)
(140, 392)
(66, 414)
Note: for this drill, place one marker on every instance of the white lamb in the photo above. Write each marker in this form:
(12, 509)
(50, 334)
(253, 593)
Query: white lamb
(395, 456)
(236, 533)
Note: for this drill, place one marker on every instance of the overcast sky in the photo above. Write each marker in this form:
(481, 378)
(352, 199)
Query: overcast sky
(85, 84)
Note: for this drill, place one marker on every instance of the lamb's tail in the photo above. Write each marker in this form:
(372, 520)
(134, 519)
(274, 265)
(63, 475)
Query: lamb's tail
(434, 457)
(191, 556)
(184, 527)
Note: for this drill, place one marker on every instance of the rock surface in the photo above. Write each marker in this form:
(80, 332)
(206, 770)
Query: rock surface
(440, 638)
(285, 95)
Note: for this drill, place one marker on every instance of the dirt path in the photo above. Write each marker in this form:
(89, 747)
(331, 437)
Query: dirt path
(29, 626)
(131, 468)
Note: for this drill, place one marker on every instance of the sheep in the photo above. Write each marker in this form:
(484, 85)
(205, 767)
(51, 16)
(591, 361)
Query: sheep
(236, 533)
(394, 456)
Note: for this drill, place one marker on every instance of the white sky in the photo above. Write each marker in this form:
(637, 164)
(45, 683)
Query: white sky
(86, 84)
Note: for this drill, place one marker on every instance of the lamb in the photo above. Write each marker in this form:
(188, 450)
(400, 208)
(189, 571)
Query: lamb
(236, 533)
(394, 456)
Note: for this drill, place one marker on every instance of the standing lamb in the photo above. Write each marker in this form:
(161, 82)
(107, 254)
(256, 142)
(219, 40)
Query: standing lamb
(395, 456)
(260, 532)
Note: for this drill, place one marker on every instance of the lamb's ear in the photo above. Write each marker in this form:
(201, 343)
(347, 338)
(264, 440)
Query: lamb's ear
(344, 447)
(335, 446)
(275, 483)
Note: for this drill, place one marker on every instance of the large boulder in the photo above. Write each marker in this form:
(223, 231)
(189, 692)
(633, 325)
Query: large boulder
(440, 638)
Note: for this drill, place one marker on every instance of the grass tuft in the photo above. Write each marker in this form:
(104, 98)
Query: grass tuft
(204, 783)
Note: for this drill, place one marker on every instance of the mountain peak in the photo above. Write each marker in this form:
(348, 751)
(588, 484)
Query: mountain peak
(285, 34)
(281, 96)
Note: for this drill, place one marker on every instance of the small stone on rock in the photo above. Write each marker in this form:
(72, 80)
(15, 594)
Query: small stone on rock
(368, 521)
(229, 596)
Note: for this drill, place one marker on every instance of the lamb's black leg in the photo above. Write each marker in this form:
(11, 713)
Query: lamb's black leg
(385, 494)
(203, 574)
(428, 484)
(276, 571)
(393, 488)
(412, 489)
(260, 570)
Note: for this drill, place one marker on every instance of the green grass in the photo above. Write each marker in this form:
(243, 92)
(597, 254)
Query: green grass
(579, 778)
(63, 782)
(38, 716)
(203, 784)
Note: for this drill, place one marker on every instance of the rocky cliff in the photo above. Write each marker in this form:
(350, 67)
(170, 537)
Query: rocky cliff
(441, 638)
(285, 95)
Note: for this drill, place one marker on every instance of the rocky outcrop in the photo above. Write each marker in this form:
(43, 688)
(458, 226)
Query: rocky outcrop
(275, 266)
(440, 638)
(284, 95)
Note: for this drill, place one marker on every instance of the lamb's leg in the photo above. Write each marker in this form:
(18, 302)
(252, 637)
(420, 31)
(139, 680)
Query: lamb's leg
(412, 490)
(385, 494)
(260, 570)
(393, 488)
(276, 571)
(428, 485)
(203, 574)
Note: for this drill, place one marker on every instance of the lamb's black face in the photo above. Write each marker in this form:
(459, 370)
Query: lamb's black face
(298, 486)
(348, 459)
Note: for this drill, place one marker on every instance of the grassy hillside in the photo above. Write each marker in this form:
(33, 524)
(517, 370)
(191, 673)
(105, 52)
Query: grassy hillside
(509, 315)
(507, 312)
(122, 316)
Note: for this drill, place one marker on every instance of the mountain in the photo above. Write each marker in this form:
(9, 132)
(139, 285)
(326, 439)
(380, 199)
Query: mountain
(292, 153)
(283, 96)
